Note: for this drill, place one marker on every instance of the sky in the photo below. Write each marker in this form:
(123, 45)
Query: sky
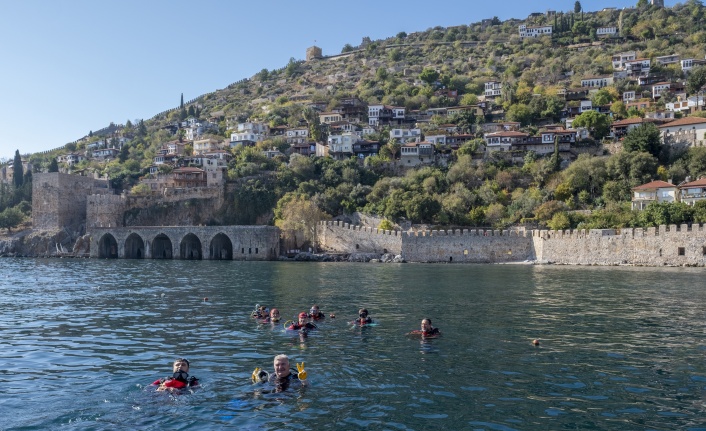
(71, 66)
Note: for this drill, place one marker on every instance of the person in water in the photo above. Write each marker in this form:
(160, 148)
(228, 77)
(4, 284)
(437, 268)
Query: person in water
(283, 376)
(261, 312)
(427, 330)
(302, 324)
(272, 318)
(315, 313)
(180, 378)
(363, 317)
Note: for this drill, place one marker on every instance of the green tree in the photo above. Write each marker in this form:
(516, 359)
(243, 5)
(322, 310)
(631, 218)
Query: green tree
(696, 79)
(429, 75)
(53, 165)
(17, 170)
(598, 124)
(297, 213)
(645, 137)
(577, 7)
(10, 218)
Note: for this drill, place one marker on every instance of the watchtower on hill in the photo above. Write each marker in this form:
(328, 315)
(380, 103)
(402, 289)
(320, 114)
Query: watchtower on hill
(659, 3)
(313, 52)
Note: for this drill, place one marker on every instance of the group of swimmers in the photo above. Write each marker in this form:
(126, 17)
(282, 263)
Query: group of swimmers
(283, 376)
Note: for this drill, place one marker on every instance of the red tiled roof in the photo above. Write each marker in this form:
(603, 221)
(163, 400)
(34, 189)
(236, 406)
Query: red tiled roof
(187, 169)
(686, 121)
(508, 134)
(698, 183)
(654, 185)
(628, 121)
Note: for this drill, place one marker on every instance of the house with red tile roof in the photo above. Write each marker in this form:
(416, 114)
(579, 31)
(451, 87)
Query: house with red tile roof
(693, 191)
(655, 191)
(684, 132)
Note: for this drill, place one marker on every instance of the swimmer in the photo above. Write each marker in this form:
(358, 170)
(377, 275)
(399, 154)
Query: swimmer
(272, 318)
(283, 376)
(180, 378)
(315, 313)
(427, 330)
(363, 318)
(302, 324)
(261, 312)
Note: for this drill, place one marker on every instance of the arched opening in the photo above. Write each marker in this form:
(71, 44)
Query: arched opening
(221, 248)
(134, 247)
(108, 247)
(161, 247)
(190, 248)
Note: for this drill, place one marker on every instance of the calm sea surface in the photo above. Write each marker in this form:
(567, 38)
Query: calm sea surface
(621, 348)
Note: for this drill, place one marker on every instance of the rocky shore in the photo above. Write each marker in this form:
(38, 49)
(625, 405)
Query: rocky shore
(344, 257)
(35, 243)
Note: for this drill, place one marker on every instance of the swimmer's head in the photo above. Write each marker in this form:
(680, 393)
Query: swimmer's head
(363, 312)
(274, 314)
(302, 317)
(426, 325)
(314, 309)
(282, 365)
(181, 364)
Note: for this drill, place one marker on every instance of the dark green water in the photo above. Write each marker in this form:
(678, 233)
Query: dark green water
(621, 348)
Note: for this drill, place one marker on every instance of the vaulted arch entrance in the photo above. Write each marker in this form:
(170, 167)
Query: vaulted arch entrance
(134, 247)
(161, 247)
(108, 247)
(221, 248)
(190, 248)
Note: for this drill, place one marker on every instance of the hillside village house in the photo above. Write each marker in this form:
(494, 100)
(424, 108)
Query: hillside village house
(684, 132)
(621, 58)
(597, 81)
(205, 145)
(606, 31)
(637, 67)
(493, 89)
(693, 191)
(689, 63)
(416, 153)
(666, 60)
(686, 106)
(655, 191)
(70, 159)
(503, 141)
(628, 96)
(406, 135)
(658, 88)
(535, 31)
(379, 115)
(105, 153)
(299, 135)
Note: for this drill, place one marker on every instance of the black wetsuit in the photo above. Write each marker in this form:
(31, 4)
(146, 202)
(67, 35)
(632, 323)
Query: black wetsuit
(281, 384)
(361, 321)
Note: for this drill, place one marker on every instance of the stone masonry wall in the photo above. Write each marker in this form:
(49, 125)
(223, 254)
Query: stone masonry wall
(59, 200)
(470, 246)
(667, 245)
(339, 237)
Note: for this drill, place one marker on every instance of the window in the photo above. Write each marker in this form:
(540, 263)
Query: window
(681, 251)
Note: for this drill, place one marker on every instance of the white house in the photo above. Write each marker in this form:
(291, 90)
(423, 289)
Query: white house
(203, 145)
(597, 81)
(628, 96)
(638, 67)
(384, 114)
(689, 63)
(684, 132)
(71, 158)
(622, 57)
(693, 191)
(416, 153)
(253, 127)
(655, 191)
(536, 31)
(493, 89)
(503, 141)
(406, 135)
(659, 88)
(245, 138)
(606, 31)
(297, 135)
(586, 105)
(665, 60)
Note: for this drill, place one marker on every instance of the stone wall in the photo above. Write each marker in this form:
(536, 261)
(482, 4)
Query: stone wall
(59, 200)
(667, 245)
(339, 237)
(186, 242)
(470, 246)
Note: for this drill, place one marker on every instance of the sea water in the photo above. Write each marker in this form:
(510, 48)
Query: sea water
(619, 347)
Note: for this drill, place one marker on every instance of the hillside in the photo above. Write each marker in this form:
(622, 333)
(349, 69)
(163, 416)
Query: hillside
(437, 68)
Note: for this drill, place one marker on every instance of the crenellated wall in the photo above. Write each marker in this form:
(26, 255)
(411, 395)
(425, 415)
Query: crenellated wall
(667, 245)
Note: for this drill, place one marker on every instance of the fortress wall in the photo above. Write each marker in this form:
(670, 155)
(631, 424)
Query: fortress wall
(59, 200)
(339, 237)
(470, 246)
(666, 245)
(105, 210)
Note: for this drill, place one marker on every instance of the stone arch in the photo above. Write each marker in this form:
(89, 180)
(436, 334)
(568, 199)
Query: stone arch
(162, 247)
(190, 247)
(108, 247)
(134, 247)
(221, 247)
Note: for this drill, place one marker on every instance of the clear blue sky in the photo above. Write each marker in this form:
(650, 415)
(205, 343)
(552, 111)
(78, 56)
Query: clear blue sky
(71, 66)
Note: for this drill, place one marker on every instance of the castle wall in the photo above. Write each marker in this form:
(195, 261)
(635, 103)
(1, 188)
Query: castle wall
(186, 242)
(470, 246)
(667, 245)
(59, 200)
(339, 237)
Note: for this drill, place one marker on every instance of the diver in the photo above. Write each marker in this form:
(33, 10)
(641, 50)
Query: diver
(272, 318)
(363, 317)
(427, 330)
(301, 324)
(260, 312)
(180, 378)
(315, 313)
(283, 377)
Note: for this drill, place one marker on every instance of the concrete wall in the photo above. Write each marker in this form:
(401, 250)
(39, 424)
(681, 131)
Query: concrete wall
(186, 242)
(59, 200)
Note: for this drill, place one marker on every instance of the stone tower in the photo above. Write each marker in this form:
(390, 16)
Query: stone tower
(659, 3)
(313, 52)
